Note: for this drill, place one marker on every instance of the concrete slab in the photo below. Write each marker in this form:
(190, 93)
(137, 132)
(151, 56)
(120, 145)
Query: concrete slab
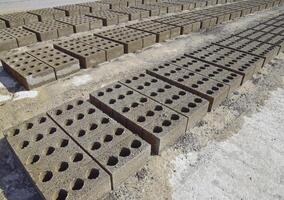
(112, 49)
(27, 70)
(185, 103)
(62, 63)
(82, 23)
(22, 36)
(56, 164)
(155, 123)
(215, 92)
(233, 80)
(120, 152)
(162, 31)
(88, 55)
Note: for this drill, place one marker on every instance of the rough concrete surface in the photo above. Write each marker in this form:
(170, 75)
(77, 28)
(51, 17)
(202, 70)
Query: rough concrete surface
(235, 152)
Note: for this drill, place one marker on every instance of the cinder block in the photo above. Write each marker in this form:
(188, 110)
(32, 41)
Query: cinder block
(27, 70)
(112, 49)
(49, 30)
(7, 42)
(235, 61)
(153, 11)
(47, 14)
(120, 152)
(170, 7)
(132, 39)
(88, 55)
(2, 24)
(133, 14)
(95, 6)
(162, 31)
(185, 103)
(22, 36)
(82, 23)
(157, 124)
(187, 26)
(233, 80)
(110, 18)
(62, 63)
(58, 167)
(73, 10)
(200, 4)
(215, 92)
(18, 19)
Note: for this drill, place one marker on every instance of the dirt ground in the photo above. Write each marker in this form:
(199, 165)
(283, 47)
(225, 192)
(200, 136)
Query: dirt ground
(235, 152)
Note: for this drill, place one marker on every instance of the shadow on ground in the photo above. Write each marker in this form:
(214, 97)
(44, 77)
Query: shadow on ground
(14, 183)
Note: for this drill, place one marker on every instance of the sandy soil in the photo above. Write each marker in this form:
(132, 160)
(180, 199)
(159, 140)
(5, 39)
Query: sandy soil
(179, 172)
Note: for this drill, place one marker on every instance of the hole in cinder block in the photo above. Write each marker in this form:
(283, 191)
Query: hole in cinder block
(93, 174)
(52, 130)
(96, 146)
(29, 126)
(112, 101)
(119, 131)
(78, 157)
(25, 144)
(63, 166)
(157, 129)
(46, 176)
(134, 105)
(93, 126)
(38, 137)
(105, 120)
(81, 133)
(80, 102)
(150, 113)
(166, 123)
(108, 138)
(64, 142)
(191, 105)
(69, 122)
(143, 100)
(16, 132)
(33, 159)
(158, 108)
(124, 152)
(49, 151)
(78, 184)
(91, 111)
(58, 112)
(136, 144)
(125, 109)
(61, 195)
(184, 110)
(174, 117)
(197, 100)
(112, 161)
(141, 119)
(80, 116)
(69, 107)
(42, 120)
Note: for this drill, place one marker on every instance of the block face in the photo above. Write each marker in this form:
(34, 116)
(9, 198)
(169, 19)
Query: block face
(155, 123)
(183, 102)
(18, 19)
(215, 92)
(7, 42)
(62, 63)
(109, 18)
(108, 142)
(112, 49)
(73, 10)
(82, 23)
(2, 24)
(233, 80)
(29, 71)
(162, 31)
(48, 14)
(88, 55)
(57, 165)
(235, 61)
(264, 50)
(22, 36)
(132, 39)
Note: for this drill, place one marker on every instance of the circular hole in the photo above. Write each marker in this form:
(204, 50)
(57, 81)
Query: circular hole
(49, 151)
(58, 112)
(143, 100)
(209, 92)
(150, 113)
(42, 120)
(119, 131)
(16, 132)
(93, 127)
(108, 90)
(141, 119)
(69, 122)
(121, 97)
(100, 94)
(52, 130)
(197, 100)
(112, 161)
(153, 94)
(96, 146)
(175, 97)
(105, 120)
(69, 107)
(129, 92)
(215, 88)
(78, 184)
(93, 174)
(184, 110)
(29, 126)
(220, 85)
(81, 133)
(108, 138)
(133, 105)
(166, 123)
(78, 157)
(61, 195)
(125, 109)
(46, 176)
(158, 108)
(91, 111)
(124, 152)
(174, 117)
(38, 137)
(63, 166)
(80, 116)
(136, 144)
(168, 101)
(112, 101)
(191, 105)
(64, 143)
(157, 129)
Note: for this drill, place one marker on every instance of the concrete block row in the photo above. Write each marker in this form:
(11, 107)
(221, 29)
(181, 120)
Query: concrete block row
(58, 167)
(82, 23)
(95, 6)
(18, 19)
(162, 31)
(131, 39)
(110, 18)
(48, 14)
(185, 5)
(214, 91)
(181, 101)
(49, 30)
(152, 9)
(119, 151)
(155, 123)
(133, 13)
(2, 24)
(238, 62)
(73, 10)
